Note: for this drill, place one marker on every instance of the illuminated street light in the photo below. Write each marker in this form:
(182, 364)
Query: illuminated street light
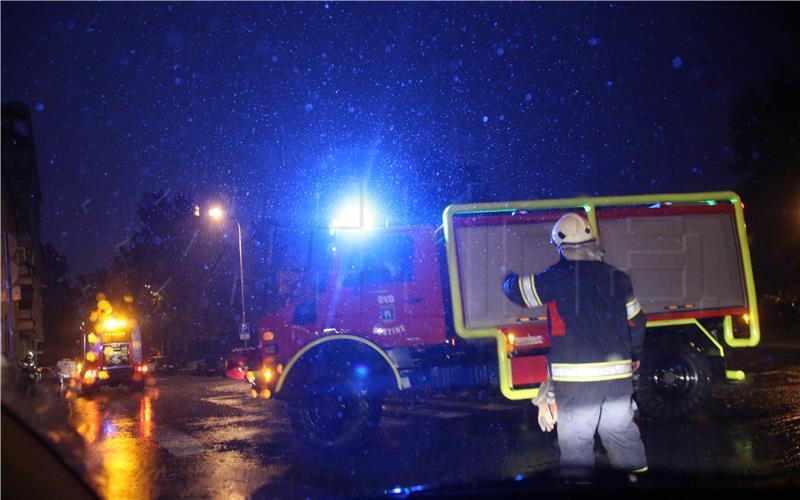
(217, 214)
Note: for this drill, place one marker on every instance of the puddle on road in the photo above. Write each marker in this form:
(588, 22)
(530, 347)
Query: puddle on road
(131, 454)
(121, 456)
(218, 473)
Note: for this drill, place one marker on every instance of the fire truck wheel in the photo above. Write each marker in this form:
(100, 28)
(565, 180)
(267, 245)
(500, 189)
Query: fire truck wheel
(335, 411)
(674, 380)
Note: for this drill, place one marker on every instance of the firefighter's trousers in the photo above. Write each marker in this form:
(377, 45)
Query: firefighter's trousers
(582, 412)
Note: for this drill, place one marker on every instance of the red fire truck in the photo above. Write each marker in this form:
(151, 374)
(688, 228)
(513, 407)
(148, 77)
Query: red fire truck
(381, 311)
(112, 352)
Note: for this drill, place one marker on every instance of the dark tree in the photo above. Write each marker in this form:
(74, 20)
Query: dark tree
(765, 126)
(62, 308)
(180, 273)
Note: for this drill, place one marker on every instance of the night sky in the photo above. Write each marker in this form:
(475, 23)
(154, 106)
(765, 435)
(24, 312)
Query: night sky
(279, 110)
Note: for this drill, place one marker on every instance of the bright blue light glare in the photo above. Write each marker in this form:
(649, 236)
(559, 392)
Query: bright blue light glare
(355, 215)
(407, 490)
(108, 428)
(361, 371)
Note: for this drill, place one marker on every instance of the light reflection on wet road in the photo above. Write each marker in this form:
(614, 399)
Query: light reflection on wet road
(120, 450)
(184, 438)
(204, 437)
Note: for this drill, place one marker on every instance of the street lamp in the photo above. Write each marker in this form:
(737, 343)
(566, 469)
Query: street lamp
(215, 213)
(218, 214)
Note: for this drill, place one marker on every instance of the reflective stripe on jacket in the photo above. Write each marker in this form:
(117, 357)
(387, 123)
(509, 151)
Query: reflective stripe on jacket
(633, 308)
(591, 372)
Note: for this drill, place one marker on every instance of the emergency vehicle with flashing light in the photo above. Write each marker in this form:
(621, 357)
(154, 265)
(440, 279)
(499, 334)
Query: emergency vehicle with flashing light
(112, 351)
(381, 311)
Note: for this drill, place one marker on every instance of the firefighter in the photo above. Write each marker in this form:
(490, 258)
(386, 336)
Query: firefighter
(28, 374)
(592, 362)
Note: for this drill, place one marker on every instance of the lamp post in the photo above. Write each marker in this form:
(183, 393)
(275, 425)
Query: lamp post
(217, 214)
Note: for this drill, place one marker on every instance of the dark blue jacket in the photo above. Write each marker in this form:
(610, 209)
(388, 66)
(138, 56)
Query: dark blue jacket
(603, 319)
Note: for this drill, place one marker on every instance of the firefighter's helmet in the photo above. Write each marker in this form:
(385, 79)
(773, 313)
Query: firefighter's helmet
(571, 229)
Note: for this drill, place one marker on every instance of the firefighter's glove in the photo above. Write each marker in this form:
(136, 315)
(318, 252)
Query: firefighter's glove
(548, 410)
(547, 421)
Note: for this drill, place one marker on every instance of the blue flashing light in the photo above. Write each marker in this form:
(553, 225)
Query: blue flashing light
(109, 429)
(407, 490)
(361, 371)
(355, 216)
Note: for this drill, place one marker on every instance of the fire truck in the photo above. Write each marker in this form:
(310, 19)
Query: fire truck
(382, 311)
(112, 349)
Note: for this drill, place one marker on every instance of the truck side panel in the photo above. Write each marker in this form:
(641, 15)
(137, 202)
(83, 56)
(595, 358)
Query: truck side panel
(486, 255)
(678, 261)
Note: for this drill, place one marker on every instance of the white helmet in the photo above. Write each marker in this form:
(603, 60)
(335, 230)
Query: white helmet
(571, 229)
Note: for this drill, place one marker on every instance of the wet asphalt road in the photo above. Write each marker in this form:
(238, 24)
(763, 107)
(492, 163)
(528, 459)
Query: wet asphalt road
(196, 436)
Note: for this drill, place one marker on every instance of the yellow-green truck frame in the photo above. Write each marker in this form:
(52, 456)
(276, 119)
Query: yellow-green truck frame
(589, 205)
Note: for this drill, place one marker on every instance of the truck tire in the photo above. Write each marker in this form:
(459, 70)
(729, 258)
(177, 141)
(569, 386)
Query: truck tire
(674, 379)
(335, 411)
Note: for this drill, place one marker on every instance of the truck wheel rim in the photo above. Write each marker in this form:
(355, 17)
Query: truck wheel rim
(673, 378)
(328, 414)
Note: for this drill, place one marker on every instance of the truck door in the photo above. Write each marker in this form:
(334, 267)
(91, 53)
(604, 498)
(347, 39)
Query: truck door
(423, 302)
(372, 289)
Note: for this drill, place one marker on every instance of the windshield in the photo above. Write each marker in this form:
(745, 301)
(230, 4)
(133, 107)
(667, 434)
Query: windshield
(276, 249)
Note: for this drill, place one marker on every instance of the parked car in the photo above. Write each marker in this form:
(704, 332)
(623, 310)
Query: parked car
(240, 360)
(212, 364)
(162, 365)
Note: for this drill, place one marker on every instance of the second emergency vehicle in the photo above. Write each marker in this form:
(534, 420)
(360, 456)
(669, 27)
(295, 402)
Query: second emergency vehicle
(112, 347)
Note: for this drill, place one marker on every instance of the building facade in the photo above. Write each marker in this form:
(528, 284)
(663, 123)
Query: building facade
(20, 268)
